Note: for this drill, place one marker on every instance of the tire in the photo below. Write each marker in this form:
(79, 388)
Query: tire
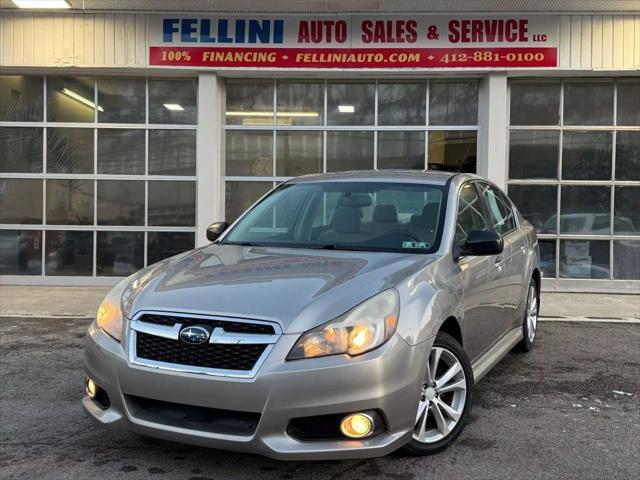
(530, 320)
(440, 427)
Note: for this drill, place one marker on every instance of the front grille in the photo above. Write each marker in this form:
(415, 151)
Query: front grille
(207, 355)
(229, 326)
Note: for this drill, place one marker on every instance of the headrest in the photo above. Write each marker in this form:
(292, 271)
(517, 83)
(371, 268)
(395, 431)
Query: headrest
(385, 213)
(346, 220)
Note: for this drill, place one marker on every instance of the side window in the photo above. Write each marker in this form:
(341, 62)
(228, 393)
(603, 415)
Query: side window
(470, 215)
(500, 212)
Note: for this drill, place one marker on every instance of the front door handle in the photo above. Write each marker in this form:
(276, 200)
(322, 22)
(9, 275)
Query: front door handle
(498, 261)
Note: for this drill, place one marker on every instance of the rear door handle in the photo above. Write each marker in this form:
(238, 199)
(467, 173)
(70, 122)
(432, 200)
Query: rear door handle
(523, 248)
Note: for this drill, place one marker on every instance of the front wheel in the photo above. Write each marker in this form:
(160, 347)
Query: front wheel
(445, 398)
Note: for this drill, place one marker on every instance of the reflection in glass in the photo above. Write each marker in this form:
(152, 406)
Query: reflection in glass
(122, 100)
(120, 151)
(585, 210)
(548, 258)
(534, 103)
(349, 150)
(584, 259)
(298, 153)
(538, 204)
(351, 103)
(628, 111)
(402, 103)
(241, 195)
(172, 152)
(69, 202)
(249, 102)
(626, 259)
(119, 254)
(69, 253)
(627, 211)
(300, 103)
(172, 204)
(401, 150)
(20, 200)
(452, 150)
(588, 103)
(21, 149)
(71, 99)
(20, 252)
(533, 154)
(163, 245)
(453, 102)
(249, 153)
(628, 155)
(20, 98)
(173, 101)
(69, 150)
(120, 202)
(586, 155)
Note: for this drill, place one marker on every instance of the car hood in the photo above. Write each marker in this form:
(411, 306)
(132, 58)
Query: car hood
(298, 288)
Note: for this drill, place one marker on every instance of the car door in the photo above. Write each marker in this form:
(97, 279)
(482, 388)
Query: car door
(482, 282)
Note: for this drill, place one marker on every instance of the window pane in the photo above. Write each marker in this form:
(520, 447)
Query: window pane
(304, 101)
(20, 252)
(470, 213)
(120, 151)
(628, 155)
(626, 259)
(402, 103)
(627, 211)
(349, 151)
(629, 103)
(351, 103)
(538, 204)
(21, 150)
(69, 202)
(586, 155)
(20, 200)
(173, 101)
(20, 99)
(162, 245)
(535, 103)
(69, 150)
(453, 102)
(250, 102)
(241, 195)
(298, 153)
(588, 103)
(120, 202)
(533, 154)
(401, 150)
(500, 213)
(548, 258)
(172, 152)
(122, 100)
(69, 253)
(71, 99)
(249, 153)
(119, 253)
(585, 209)
(454, 151)
(172, 203)
(584, 259)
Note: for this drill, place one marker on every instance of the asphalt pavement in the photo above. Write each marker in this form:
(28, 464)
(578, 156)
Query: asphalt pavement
(569, 409)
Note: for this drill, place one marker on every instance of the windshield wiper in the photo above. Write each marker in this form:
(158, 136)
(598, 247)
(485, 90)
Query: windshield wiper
(337, 246)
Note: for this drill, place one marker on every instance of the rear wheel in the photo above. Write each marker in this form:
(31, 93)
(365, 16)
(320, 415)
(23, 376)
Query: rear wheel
(445, 398)
(530, 321)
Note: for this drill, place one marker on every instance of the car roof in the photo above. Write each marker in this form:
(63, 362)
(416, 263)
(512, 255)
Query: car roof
(391, 176)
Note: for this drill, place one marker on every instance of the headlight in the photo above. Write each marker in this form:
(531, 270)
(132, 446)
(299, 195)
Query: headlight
(109, 317)
(363, 328)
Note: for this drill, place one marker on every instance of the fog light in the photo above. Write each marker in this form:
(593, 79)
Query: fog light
(91, 388)
(357, 425)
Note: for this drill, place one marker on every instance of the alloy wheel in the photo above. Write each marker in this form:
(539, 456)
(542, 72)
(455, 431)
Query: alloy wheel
(532, 313)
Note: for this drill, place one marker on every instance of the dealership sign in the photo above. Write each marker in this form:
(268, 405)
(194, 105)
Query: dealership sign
(411, 42)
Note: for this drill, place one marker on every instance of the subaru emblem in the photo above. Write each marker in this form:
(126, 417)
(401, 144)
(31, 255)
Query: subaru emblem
(194, 335)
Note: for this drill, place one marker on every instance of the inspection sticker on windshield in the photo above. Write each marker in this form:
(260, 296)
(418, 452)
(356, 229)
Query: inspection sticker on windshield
(415, 245)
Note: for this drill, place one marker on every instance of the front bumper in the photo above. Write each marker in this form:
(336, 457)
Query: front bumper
(386, 379)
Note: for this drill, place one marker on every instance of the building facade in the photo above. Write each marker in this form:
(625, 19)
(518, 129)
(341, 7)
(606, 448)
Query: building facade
(124, 134)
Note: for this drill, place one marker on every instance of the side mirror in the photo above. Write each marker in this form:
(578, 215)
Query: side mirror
(482, 242)
(215, 230)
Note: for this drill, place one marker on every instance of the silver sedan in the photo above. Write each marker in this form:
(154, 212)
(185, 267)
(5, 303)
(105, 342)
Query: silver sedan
(343, 315)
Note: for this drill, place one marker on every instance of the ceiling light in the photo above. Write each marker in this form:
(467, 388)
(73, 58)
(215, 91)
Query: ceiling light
(81, 99)
(270, 114)
(174, 107)
(346, 108)
(42, 4)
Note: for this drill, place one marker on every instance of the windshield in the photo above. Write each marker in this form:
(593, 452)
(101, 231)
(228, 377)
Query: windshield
(373, 216)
